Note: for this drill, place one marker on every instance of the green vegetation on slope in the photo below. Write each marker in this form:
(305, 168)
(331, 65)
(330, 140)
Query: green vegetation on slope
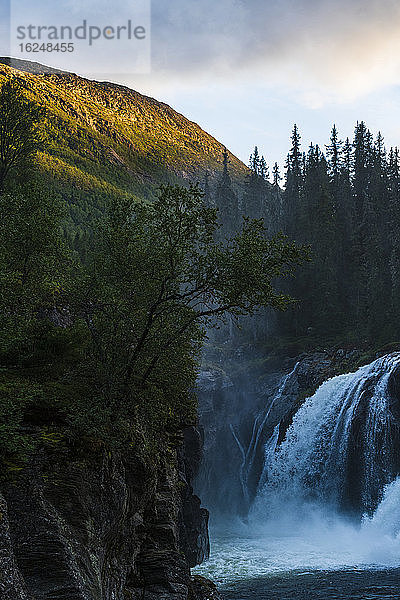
(106, 140)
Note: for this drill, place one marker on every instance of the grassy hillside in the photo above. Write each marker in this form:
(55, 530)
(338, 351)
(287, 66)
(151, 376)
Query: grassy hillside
(106, 139)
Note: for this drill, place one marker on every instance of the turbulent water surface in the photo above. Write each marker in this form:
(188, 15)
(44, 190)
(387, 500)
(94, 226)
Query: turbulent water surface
(325, 523)
(310, 553)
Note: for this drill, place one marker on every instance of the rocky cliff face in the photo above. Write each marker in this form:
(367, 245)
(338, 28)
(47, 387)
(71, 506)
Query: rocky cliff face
(104, 528)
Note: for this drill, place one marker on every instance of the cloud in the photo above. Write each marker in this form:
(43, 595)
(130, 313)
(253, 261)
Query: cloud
(326, 50)
(318, 52)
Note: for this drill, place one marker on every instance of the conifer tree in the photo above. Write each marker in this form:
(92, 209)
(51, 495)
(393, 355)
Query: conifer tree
(333, 152)
(394, 234)
(254, 162)
(276, 175)
(208, 199)
(256, 197)
(294, 187)
(347, 207)
(264, 170)
(226, 200)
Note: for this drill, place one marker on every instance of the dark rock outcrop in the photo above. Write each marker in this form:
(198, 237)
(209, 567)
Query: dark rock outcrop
(193, 519)
(204, 589)
(107, 528)
(11, 584)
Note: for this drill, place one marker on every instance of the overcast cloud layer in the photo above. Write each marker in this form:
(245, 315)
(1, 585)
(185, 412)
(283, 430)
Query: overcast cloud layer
(330, 49)
(246, 70)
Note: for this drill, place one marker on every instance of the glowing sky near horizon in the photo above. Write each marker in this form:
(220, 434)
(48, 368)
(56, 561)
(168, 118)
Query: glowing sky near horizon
(246, 70)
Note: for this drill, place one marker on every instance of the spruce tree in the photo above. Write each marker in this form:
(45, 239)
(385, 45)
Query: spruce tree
(264, 170)
(208, 199)
(257, 201)
(394, 235)
(226, 200)
(333, 152)
(294, 187)
(276, 175)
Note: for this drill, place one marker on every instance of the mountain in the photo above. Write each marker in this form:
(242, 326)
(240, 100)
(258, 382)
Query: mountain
(106, 139)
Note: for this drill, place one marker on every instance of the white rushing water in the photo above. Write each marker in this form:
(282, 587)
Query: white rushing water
(306, 538)
(295, 523)
(249, 454)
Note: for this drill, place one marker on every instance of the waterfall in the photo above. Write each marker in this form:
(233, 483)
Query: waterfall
(341, 449)
(261, 423)
(238, 414)
(328, 490)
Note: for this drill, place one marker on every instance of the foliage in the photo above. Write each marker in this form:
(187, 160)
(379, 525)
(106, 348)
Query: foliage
(107, 348)
(20, 130)
(15, 396)
(34, 262)
(346, 206)
(157, 277)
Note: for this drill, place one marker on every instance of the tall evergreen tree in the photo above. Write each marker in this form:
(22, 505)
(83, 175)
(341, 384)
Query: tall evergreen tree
(342, 192)
(208, 199)
(255, 199)
(347, 207)
(394, 235)
(264, 170)
(276, 175)
(226, 200)
(333, 152)
(294, 187)
(254, 162)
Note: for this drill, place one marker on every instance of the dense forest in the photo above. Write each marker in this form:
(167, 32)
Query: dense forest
(100, 348)
(344, 202)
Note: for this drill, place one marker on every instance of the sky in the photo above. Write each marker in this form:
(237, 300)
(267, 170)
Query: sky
(247, 70)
